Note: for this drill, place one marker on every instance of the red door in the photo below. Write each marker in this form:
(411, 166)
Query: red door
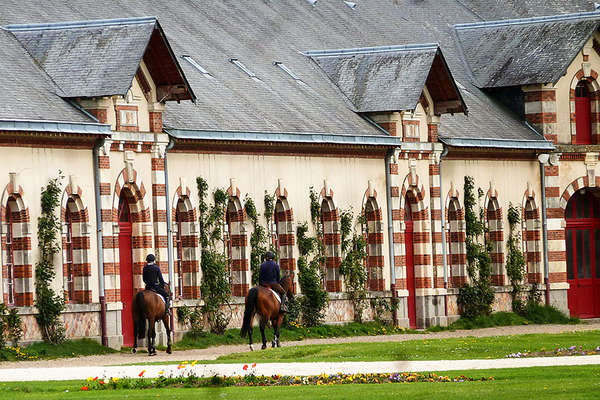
(583, 126)
(410, 274)
(126, 273)
(582, 237)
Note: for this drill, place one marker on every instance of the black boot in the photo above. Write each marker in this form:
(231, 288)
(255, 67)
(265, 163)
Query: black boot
(168, 305)
(284, 304)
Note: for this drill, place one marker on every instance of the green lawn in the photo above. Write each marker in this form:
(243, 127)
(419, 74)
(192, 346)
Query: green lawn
(43, 350)
(581, 382)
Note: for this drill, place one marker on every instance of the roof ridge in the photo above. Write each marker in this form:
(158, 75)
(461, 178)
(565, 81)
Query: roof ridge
(80, 24)
(529, 20)
(370, 50)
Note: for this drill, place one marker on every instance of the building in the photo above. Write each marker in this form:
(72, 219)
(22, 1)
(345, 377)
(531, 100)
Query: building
(380, 106)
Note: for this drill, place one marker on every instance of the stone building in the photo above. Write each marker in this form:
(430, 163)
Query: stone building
(382, 107)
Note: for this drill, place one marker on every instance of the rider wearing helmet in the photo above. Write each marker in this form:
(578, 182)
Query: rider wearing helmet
(154, 280)
(269, 276)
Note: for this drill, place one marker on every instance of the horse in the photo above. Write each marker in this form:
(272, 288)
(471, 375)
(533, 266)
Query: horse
(262, 301)
(149, 305)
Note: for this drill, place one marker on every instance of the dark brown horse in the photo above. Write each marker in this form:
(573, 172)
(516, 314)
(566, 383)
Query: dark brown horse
(262, 301)
(149, 305)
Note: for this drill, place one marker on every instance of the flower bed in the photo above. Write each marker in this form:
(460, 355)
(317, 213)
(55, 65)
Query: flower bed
(192, 381)
(559, 352)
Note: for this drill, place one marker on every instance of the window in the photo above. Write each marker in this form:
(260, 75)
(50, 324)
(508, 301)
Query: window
(10, 278)
(69, 274)
(583, 125)
(179, 218)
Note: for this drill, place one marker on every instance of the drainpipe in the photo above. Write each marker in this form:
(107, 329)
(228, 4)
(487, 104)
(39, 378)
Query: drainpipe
(99, 238)
(443, 218)
(543, 159)
(169, 232)
(388, 181)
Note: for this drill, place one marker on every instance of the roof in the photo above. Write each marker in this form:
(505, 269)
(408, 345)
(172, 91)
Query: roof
(259, 32)
(28, 93)
(101, 57)
(524, 51)
(391, 78)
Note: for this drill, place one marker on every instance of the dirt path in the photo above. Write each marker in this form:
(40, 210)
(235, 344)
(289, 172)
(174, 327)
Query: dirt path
(214, 352)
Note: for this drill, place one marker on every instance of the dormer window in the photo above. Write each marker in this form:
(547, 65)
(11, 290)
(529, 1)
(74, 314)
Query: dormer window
(583, 124)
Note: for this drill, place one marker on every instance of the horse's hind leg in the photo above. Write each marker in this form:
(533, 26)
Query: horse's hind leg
(151, 334)
(167, 325)
(276, 328)
(135, 335)
(263, 323)
(250, 332)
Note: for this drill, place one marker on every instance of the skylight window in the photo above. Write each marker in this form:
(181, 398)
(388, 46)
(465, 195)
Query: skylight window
(288, 71)
(197, 66)
(245, 69)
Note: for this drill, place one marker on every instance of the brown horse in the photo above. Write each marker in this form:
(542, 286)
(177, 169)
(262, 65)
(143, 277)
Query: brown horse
(149, 305)
(262, 301)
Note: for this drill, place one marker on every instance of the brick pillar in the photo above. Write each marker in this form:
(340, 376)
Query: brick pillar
(398, 232)
(159, 212)
(555, 206)
(540, 110)
(435, 204)
(156, 124)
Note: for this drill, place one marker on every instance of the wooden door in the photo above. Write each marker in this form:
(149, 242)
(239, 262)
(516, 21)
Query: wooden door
(583, 126)
(410, 274)
(582, 237)
(126, 273)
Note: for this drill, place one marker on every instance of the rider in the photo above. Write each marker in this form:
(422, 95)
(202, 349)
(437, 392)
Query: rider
(154, 280)
(269, 276)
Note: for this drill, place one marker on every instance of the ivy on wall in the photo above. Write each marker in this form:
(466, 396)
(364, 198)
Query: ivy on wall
(10, 326)
(476, 297)
(49, 304)
(352, 266)
(215, 289)
(515, 261)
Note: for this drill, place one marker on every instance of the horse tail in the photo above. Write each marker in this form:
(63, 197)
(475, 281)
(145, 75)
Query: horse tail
(139, 306)
(249, 311)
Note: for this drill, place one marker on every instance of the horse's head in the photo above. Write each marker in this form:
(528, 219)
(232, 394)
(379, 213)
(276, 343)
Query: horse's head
(287, 283)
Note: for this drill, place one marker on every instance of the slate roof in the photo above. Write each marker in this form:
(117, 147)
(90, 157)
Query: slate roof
(27, 92)
(380, 79)
(524, 51)
(88, 58)
(258, 32)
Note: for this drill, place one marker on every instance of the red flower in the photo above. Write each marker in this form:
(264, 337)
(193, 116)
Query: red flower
(101, 382)
(84, 388)
(141, 373)
(95, 379)
(254, 365)
(245, 367)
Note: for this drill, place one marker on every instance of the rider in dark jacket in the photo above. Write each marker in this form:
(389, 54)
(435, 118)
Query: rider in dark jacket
(269, 276)
(154, 280)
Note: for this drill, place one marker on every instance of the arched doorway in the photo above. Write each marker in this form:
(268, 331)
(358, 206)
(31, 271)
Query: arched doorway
(583, 121)
(583, 260)
(410, 264)
(125, 268)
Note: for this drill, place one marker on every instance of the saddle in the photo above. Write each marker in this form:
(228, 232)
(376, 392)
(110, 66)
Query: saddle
(277, 297)
(158, 294)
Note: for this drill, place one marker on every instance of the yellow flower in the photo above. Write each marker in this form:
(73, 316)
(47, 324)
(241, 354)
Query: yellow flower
(115, 380)
(161, 372)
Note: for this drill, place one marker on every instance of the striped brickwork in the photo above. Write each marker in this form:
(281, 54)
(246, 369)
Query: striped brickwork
(495, 235)
(456, 257)
(532, 239)
(285, 239)
(77, 268)
(237, 247)
(594, 92)
(435, 205)
(540, 110)
(555, 213)
(159, 212)
(17, 269)
(374, 237)
(332, 239)
(186, 252)
(398, 236)
(129, 185)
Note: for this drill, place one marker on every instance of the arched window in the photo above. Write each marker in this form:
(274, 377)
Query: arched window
(235, 246)
(178, 245)
(9, 252)
(457, 257)
(69, 273)
(496, 239)
(583, 124)
(284, 237)
(331, 241)
(531, 242)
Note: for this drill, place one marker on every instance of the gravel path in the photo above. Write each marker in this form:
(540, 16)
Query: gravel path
(214, 352)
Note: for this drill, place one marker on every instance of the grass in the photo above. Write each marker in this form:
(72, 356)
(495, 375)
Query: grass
(43, 350)
(232, 336)
(430, 349)
(579, 382)
(535, 314)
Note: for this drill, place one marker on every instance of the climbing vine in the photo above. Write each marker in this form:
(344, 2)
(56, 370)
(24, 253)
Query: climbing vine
(475, 298)
(49, 304)
(313, 299)
(515, 261)
(352, 266)
(215, 290)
